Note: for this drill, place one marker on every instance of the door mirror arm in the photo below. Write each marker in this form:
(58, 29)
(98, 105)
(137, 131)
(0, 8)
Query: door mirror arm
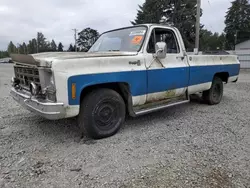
(157, 53)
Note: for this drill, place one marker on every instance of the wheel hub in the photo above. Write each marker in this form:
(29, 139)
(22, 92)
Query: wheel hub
(106, 115)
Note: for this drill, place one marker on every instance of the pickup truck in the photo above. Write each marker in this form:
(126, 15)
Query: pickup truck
(129, 71)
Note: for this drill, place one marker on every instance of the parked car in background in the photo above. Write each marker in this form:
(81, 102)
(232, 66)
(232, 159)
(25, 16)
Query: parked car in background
(5, 60)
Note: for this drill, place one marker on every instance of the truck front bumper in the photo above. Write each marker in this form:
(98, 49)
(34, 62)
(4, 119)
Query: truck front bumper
(48, 110)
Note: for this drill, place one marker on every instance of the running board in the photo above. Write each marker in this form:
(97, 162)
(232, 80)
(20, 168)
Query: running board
(146, 111)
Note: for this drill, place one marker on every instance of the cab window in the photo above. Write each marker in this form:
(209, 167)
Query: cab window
(163, 35)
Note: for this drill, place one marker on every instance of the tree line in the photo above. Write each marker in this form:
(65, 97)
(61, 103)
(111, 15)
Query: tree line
(35, 45)
(85, 40)
(179, 13)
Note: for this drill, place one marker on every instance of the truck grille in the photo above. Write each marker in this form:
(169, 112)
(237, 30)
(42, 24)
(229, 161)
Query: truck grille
(26, 75)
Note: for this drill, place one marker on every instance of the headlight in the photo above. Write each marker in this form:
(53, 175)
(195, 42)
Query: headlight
(12, 80)
(48, 84)
(15, 82)
(34, 90)
(50, 89)
(52, 81)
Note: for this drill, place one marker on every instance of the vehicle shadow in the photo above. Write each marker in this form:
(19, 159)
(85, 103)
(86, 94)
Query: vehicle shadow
(67, 129)
(64, 129)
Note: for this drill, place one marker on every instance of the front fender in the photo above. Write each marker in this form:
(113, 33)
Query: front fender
(135, 80)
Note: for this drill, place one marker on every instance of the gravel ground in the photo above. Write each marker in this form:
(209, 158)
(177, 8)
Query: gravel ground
(193, 145)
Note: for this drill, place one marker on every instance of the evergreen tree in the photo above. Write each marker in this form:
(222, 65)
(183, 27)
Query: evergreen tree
(222, 41)
(20, 49)
(237, 23)
(181, 14)
(25, 51)
(12, 48)
(150, 12)
(53, 46)
(32, 46)
(71, 48)
(29, 47)
(60, 47)
(205, 39)
(211, 41)
(43, 45)
(86, 38)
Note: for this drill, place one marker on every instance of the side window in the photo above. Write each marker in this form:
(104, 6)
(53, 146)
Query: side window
(163, 35)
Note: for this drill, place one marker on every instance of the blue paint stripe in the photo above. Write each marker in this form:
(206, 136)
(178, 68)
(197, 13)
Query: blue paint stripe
(167, 79)
(204, 74)
(136, 80)
(158, 80)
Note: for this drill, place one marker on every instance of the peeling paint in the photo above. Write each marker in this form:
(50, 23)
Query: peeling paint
(170, 93)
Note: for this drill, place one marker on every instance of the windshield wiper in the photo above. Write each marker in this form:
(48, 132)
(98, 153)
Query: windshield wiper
(114, 50)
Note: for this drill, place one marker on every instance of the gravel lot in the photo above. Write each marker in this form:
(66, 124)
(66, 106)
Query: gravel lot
(193, 145)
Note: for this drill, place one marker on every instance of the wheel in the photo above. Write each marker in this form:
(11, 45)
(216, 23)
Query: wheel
(102, 113)
(214, 95)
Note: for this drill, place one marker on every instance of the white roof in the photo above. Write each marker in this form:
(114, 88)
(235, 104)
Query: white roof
(243, 42)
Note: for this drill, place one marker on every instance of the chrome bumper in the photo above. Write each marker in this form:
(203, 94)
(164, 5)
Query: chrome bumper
(48, 110)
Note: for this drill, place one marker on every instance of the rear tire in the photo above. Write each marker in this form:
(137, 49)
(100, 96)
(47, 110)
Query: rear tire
(215, 94)
(102, 113)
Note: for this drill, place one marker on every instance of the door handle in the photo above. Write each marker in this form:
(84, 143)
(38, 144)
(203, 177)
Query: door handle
(138, 63)
(181, 57)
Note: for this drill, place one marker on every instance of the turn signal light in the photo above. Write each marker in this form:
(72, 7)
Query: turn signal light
(73, 91)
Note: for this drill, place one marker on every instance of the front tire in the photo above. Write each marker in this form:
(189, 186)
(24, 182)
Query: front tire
(102, 113)
(214, 95)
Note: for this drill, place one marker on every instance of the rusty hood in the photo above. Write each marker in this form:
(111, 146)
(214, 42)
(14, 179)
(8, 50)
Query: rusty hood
(46, 59)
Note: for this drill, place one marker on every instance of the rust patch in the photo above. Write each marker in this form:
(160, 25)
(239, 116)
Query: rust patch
(170, 94)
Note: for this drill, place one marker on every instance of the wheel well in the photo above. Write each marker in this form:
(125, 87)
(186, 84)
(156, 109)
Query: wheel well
(223, 76)
(121, 87)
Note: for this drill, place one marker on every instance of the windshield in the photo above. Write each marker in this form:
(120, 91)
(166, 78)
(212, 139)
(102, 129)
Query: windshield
(128, 40)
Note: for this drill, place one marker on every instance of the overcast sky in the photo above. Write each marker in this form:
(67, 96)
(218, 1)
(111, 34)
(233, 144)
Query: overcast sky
(20, 20)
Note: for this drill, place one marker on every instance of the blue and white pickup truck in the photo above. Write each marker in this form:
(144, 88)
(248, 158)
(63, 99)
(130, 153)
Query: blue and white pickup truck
(133, 70)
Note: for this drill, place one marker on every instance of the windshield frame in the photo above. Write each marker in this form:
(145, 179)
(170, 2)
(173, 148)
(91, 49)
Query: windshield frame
(143, 42)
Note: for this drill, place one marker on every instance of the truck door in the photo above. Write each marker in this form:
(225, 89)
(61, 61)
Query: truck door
(167, 78)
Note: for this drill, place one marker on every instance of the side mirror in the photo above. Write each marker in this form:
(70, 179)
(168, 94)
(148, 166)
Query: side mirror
(161, 50)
